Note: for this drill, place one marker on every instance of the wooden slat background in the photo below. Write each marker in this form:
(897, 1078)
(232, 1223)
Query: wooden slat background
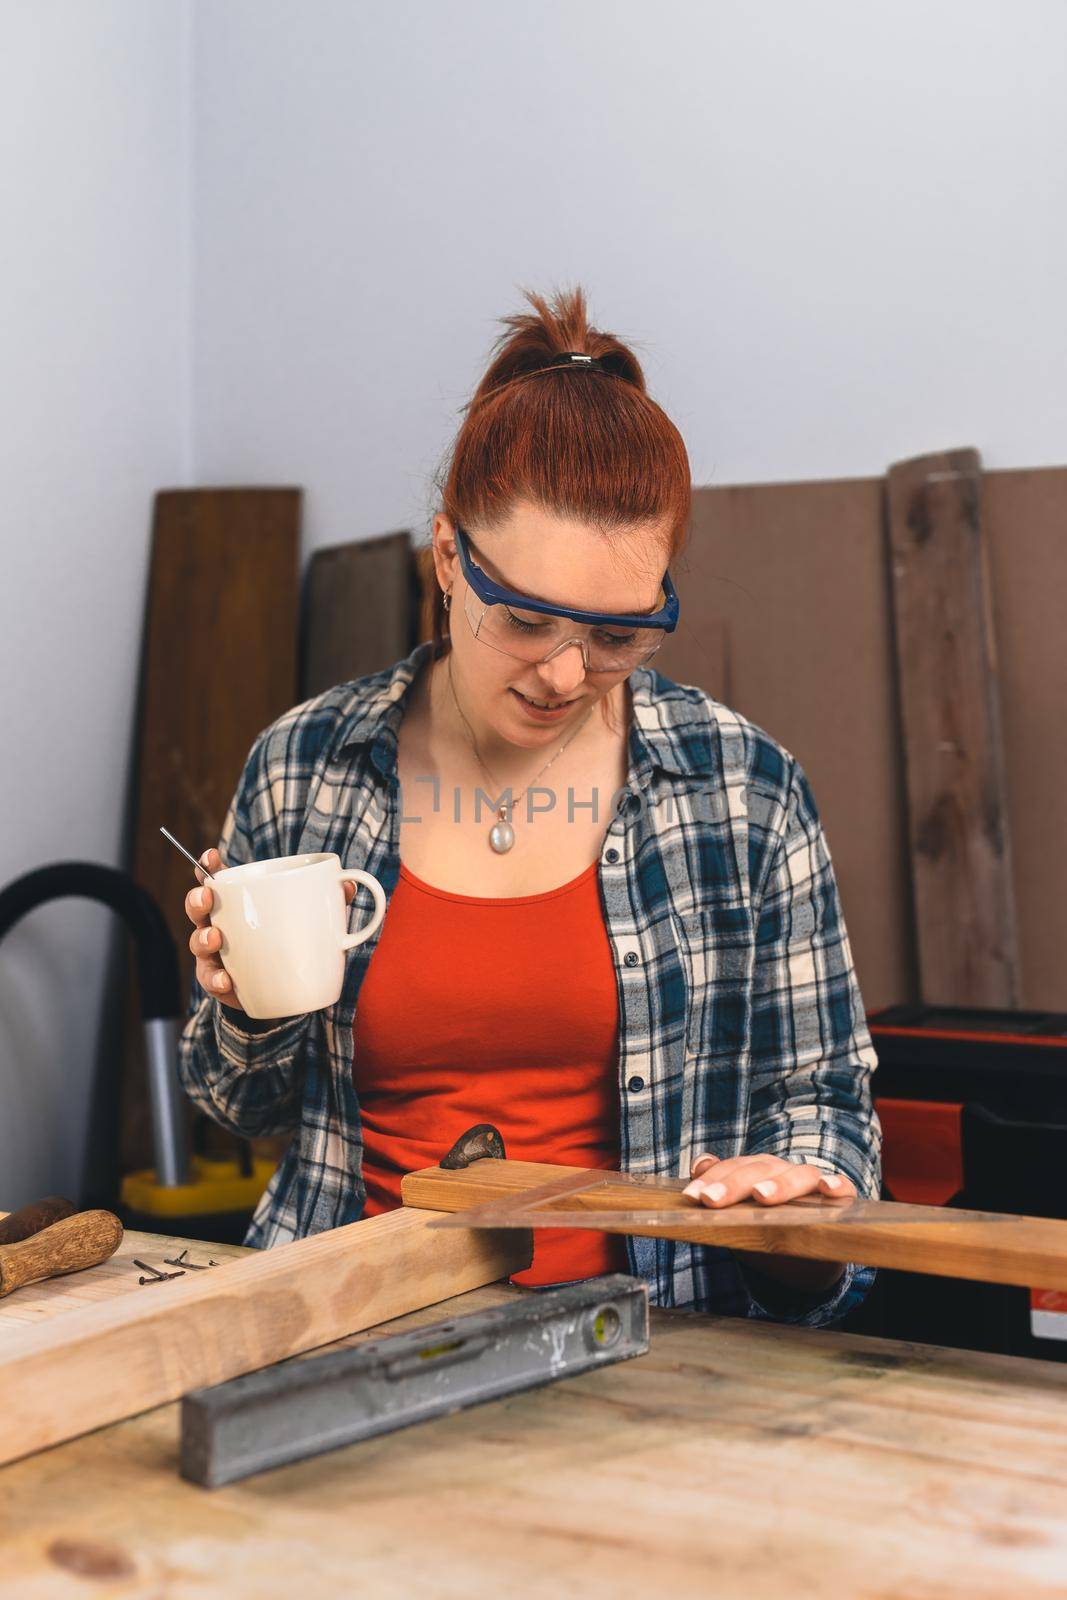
(797, 576)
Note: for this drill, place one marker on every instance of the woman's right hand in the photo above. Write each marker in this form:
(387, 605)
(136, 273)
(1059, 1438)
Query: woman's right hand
(205, 941)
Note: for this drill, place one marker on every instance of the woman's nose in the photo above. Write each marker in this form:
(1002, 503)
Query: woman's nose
(565, 671)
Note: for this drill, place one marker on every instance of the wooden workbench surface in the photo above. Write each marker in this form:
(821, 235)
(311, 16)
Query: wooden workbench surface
(735, 1459)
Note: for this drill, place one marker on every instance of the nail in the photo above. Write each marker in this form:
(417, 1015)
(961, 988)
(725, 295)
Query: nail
(716, 1191)
(219, 981)
(768, 1187)
(833, 1183)
(205, 940)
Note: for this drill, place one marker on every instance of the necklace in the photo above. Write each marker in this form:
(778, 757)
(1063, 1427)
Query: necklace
(502, 834)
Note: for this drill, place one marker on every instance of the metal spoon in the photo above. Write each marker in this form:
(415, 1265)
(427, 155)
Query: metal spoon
(197, 864)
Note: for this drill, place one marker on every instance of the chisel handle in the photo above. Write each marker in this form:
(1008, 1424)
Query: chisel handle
(69, 1245)
(32, 1218)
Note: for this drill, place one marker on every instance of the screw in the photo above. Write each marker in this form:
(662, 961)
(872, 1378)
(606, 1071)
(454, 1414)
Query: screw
(157, 1276)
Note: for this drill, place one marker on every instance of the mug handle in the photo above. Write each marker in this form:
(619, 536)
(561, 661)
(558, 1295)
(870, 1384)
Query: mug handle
(352, 875)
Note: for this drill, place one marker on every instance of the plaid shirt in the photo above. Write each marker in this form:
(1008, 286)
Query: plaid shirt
(741, 1028)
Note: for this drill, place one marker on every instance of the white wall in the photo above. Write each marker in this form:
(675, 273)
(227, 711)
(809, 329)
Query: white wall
(839, 230)
(94, 417)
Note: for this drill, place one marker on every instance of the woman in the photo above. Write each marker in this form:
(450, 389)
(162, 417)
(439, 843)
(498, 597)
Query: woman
(613, 927)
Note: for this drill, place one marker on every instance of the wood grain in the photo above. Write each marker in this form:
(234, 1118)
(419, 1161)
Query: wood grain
(73, 1244)
(360, 610)
(115, 1359)
(219, 665)
(782, 1461)
(988, 1246)
(946, 665)
(116, 1277)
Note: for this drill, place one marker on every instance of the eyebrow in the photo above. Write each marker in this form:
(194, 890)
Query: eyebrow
(643, 611)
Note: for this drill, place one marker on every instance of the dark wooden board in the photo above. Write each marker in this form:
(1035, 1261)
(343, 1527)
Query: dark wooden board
(360, 610)
(1024, 514)
(951, 729)
(784, 597)
(218, 665)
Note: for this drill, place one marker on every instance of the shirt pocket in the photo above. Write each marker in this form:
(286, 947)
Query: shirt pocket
(718, 950)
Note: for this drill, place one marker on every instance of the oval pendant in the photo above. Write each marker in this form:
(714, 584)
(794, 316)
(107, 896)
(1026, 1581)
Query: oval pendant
(501, 837)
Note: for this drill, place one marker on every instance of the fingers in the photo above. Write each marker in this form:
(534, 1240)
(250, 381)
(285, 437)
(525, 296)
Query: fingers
(205, 941)
(702, 1163)
(766, 1179)
(212, 861)
(198, 903)
(350, 891)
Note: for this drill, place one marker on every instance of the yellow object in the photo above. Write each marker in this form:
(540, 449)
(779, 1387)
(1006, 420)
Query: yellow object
(215, 1186)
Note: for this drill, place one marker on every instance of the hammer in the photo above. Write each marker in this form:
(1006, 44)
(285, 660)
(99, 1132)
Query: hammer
(49, 1238)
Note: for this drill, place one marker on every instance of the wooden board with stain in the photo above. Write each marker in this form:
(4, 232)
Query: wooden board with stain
(778, 1460)
(946, 661)
(359, 610)
(991, 1247)
(219, 665)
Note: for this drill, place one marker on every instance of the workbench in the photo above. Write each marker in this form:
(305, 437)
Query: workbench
(736, 1458)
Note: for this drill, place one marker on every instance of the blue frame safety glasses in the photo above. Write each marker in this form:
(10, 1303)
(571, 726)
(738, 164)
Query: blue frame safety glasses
(614, 643)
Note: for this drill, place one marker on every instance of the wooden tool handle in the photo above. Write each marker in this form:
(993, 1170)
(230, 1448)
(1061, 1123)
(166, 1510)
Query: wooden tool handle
(32, 1218)
(70, 1245)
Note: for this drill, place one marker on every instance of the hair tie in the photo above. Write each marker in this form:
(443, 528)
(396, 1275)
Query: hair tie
(569, 358)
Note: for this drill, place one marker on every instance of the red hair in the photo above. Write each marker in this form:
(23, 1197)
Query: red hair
(574, 441)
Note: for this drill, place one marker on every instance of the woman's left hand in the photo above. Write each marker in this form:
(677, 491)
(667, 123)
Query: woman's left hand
(722, 1181)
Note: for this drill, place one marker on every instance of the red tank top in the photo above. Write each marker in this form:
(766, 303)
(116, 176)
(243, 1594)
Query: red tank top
(492, 1010)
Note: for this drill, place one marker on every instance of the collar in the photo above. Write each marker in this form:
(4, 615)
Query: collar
(673, 726)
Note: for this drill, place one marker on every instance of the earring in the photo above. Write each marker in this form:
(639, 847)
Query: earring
(448, 597)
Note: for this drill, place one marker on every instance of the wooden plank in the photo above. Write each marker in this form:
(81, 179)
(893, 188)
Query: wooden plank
(113, 1360)
(949, 702)
(426, 577)
(58, 1297)
(360, 610)
(218, 665)
(948, 1464)
(988, 1246)
(1024, 515)
(784, 593)
(799, 576)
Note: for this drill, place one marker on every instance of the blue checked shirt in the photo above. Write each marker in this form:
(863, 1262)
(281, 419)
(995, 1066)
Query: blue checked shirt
(741, 1028)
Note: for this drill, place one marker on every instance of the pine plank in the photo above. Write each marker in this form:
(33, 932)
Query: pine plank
(103, 1362)
(58, 1297)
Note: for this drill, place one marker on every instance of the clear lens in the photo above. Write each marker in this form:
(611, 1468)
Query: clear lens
(531, 636)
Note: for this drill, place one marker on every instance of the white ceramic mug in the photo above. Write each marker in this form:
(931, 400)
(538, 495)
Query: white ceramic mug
(284, 926)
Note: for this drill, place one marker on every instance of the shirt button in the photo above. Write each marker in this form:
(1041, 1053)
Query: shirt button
(631, 958)
(612, 855)
(635, 1085)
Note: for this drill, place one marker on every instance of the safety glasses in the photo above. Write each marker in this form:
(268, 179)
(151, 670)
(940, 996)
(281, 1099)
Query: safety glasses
(533, 630)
